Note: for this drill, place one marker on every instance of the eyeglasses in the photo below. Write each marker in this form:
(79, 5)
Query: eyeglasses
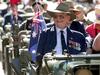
(59, 16)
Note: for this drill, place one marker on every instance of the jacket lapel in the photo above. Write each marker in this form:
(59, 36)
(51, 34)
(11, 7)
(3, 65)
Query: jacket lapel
(69, 36)
(53, 40)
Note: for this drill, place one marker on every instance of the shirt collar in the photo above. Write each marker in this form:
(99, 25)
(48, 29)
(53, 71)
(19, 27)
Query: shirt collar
(58, 30)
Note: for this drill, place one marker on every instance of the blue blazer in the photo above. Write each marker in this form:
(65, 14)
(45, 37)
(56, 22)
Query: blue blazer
(76, 42)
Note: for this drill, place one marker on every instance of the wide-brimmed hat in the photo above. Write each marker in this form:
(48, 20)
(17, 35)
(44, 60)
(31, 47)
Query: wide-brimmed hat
(78, 8)
(63, 7)
(97, 13)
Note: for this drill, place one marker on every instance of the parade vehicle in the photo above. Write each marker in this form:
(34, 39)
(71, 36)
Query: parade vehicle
(84, 64)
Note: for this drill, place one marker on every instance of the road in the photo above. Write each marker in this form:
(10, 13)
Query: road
(1, 68)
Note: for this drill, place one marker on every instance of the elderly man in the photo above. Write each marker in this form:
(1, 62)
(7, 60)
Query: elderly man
(60, 38)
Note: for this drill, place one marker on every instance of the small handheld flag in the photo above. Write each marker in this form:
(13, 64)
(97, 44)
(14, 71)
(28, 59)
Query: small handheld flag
(37, 27)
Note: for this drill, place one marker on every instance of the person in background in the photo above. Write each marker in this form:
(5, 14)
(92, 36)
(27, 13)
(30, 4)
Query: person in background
(12, 17)
(94, 28)
(14, 2)
(45, 14)
(96, 2)
(59, 37)
(3, 8)
(81, 21)
(28, 22)
(28, 5)
(96, 44)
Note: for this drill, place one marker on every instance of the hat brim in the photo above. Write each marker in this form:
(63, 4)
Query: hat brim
(53, 12)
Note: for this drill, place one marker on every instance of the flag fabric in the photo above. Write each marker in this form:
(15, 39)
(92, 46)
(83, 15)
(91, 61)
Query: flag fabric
(38, 26)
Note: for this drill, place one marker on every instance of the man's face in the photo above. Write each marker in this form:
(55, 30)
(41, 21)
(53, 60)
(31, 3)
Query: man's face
(61, 20)
(79, 14)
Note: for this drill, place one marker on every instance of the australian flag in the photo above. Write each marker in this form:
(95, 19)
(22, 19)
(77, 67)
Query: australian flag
(38, 26)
